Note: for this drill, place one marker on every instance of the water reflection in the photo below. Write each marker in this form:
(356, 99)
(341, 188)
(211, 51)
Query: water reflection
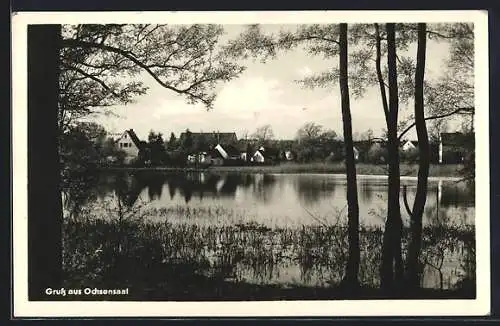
(254, 228)
(285, 198)
(310, 189)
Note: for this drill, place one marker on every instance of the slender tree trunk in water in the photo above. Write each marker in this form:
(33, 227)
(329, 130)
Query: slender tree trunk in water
(352, 267)
(392, 265)
(44, 196)
(423, 170)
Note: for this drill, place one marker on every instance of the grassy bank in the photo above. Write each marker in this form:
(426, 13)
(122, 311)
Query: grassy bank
(451, 170)
(182, 261)
(448, 170)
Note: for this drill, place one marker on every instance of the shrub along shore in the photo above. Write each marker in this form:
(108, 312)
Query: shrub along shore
(410, 170)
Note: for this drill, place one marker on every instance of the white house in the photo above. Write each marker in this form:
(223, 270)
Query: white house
(199, 158)
(129, 143)
(191, 158)
(409, 145)
(228, 152)
(222, 151)
(289, 155)
(258, 157)
(356, 153)
(204, 158)
(214, 157)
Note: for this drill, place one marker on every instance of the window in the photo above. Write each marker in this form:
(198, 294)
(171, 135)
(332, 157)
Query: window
(125, 144)
(121, 145)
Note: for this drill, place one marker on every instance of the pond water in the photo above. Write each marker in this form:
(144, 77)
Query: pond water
(206, 210)
(272, 199)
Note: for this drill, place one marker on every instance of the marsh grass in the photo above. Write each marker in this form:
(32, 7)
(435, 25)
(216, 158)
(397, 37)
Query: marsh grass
(182, 260)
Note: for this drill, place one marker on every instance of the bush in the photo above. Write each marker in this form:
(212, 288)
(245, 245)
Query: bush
(377, 154)
(410, 156)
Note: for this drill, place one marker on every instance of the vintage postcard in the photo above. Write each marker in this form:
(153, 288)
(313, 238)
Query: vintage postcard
(229, 164)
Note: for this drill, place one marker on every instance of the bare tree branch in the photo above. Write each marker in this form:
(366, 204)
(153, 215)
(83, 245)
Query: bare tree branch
(439, 116)
(130, 56)
(94, 78)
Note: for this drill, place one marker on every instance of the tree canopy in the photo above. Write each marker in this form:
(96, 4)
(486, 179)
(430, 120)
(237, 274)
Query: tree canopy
(100, 65)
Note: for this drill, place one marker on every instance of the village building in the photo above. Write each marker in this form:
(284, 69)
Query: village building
(258, 157)
(228, 152)
(455, 147)
(129, 143)
(289, 155)
(356, 153)
(361, 148)
(216, 158)
(409, 145)
(217, 155)
(201, 158)
(265, 155)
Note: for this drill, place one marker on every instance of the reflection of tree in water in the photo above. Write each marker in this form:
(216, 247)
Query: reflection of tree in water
(230, 185)
(199, 184)
(366, 189)
(155, 187)
(171, 190)
(247, 180)
(211, 185)
(311, 190)
(447, 202)
(262, 186)
(454, 194)
(78, 189)
(84, 188)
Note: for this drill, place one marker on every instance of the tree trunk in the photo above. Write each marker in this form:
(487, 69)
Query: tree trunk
(423, 170)
(380, 78)
(44, 196)
(392, 266)
(352, 267)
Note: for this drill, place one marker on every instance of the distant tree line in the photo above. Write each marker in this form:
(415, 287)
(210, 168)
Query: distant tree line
(86, 145)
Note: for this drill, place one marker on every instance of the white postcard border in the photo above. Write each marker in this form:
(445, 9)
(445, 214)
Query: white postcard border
(24, 308)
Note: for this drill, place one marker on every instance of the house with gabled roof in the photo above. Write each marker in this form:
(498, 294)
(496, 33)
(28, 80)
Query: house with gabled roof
(265, 155)
(454, 147)
(361, 149)
(129, 143)
(228, 152)
(214, 157)
(409, 145)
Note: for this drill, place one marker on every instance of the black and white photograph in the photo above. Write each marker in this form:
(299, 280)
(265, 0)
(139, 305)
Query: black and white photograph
(251, 163)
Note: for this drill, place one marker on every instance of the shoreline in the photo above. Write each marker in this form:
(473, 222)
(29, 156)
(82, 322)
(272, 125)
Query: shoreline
(408, 171)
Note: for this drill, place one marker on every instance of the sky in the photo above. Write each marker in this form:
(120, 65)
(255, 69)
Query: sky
(266, 93)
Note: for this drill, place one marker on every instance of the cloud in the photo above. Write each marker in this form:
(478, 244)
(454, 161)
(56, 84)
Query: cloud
(263, 94)
(304, 71)
(248, 95)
